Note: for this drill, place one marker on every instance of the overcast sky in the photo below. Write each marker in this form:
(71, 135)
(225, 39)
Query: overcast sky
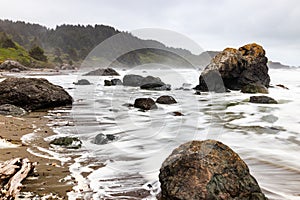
(213, 24)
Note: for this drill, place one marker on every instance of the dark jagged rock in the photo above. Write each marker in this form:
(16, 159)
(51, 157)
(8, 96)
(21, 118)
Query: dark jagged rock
(103, 72)
(263, 100)
(107, 83)
(8, 109)
(254, 88)
(13, 66)
(145, 104)
(234, 69)
(104, 139)
(33, 93)
(82, 82)
(165, 99)
(207, 170)
(68, 142)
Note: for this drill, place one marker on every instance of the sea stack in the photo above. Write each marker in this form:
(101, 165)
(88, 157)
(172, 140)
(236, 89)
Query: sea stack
(235, 68)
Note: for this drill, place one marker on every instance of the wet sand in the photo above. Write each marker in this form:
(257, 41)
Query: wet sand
(48, 172)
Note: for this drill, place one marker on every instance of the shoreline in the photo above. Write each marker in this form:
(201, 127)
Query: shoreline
(48, 172)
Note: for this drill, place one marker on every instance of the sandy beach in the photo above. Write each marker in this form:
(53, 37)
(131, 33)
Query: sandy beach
(48, 172)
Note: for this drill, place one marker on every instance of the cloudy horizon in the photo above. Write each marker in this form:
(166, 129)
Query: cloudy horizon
(212, 24)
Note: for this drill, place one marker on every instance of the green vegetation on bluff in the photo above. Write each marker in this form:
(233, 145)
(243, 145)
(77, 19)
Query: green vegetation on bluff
(72, 43)
(10, 50)
(13, 51)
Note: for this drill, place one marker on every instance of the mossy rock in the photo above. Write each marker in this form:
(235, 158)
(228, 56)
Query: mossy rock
(68, 142)
(262, 100)
(254, 88)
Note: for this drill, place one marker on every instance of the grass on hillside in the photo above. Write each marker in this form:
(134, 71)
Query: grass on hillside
(19, 54)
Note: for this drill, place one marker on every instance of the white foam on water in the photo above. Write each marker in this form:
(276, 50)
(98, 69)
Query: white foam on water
(265, 136)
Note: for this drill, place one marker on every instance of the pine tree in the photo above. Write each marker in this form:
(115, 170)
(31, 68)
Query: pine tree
(38, 53)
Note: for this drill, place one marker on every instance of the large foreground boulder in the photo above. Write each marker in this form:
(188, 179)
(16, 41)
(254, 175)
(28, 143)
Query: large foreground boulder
(207, 170)
(11, 65)
(103, 72)
(33, 93)
(235, 68)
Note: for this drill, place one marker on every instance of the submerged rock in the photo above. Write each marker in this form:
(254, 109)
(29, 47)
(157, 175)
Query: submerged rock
(68, 142)
(8, 109)
(145, 104)
(104, 139)
(282, 86)
(263, 100)
(82, 82)
(13, 66)
(235, 68)
(254, 88)
(129, 105)
(33, 93)
(156, 86)
(103, 72)
(176, 113)
(207, 170)
(166, 100)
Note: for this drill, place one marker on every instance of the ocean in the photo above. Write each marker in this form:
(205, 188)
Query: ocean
(265, 136)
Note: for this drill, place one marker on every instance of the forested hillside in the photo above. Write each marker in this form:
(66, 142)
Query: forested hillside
(72, 43)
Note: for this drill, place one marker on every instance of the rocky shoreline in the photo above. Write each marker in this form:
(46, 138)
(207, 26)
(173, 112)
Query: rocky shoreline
(190, 172)
(45, 180)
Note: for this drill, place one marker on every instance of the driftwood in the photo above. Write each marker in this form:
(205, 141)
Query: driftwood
(12, 173)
